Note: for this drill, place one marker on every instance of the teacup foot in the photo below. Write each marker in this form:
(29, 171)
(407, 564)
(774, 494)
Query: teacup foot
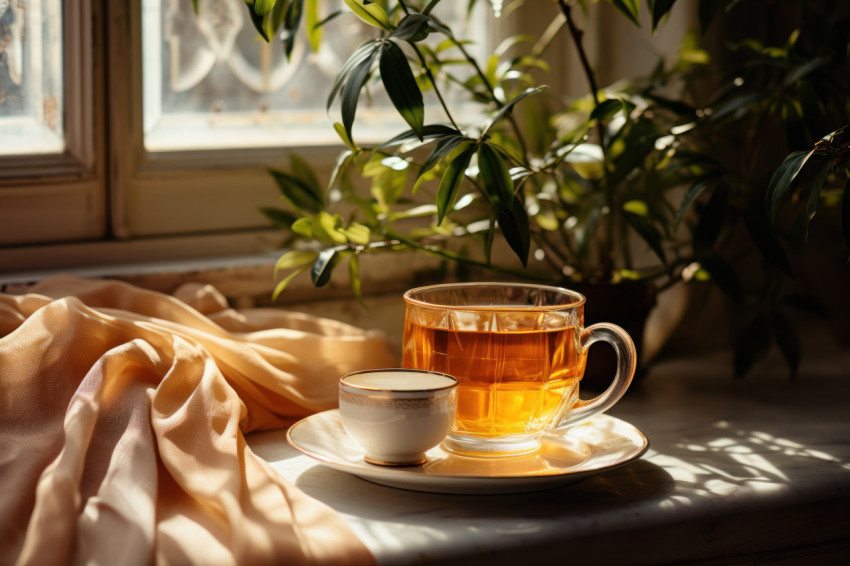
(492, 448)
(401, 464)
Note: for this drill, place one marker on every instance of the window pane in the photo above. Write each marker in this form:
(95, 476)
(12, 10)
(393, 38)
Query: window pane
(210, 82)
(31, 101)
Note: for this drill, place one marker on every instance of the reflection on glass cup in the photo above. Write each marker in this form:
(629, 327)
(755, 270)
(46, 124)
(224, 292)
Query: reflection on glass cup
(518, 352)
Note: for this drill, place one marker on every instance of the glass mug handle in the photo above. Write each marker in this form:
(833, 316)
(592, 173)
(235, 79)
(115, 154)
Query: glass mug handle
(626, 364)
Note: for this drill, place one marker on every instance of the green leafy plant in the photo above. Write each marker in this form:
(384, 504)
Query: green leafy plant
(661, 178)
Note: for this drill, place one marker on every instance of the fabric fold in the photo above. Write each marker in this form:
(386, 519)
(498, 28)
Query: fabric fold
(122, 421)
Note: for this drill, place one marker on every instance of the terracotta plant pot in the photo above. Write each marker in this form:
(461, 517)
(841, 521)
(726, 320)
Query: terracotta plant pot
(625, 304)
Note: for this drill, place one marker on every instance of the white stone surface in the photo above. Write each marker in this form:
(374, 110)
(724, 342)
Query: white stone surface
(740, 470)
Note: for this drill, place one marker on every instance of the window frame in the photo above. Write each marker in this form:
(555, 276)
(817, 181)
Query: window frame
(60, 197)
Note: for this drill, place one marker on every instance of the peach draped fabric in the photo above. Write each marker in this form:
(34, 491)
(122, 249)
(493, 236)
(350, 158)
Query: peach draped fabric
(122, 422)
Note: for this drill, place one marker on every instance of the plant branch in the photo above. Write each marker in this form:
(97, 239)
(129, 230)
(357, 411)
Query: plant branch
(431, 78)
(607, 246)
(499, 104)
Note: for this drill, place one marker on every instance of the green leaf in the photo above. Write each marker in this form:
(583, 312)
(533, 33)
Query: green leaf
(325, 229)
(753, 343)
(339, 163)
(515, 228)
(370, 12)
(629, 8)
(638, 207)
(401, 87)
(293, 259)
(765, 239)
(497, 181)
(314, 30)
(707, 10)
(428, 132)
(700, 185)
(659, 9)
(343, 135)
(195, 6)
(489, 238)
(451, 181)
(784, 177)
(788, 341)
(354, 278)
(323, 267)
(298, 194)
(351, 91)
(303, 227)
(282, 284)
(509, 106)
(357, 233)
(431, 5)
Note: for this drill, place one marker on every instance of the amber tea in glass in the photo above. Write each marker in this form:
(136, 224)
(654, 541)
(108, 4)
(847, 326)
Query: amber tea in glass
(518, 352)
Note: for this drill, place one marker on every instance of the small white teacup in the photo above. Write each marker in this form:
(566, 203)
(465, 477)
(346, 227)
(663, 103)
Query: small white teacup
(396, 415)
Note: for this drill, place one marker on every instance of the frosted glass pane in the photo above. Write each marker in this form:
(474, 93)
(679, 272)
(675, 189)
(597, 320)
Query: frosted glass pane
(31, 101)
(210, 82)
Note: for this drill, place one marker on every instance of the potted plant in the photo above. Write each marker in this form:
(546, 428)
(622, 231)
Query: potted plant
(574, 192)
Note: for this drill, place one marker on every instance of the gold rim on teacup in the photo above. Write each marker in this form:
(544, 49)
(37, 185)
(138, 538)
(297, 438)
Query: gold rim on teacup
(343, 381)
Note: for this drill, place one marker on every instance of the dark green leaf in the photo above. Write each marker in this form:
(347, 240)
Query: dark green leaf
(734, 105)
(711, 219)
(723, 275)
(787, 339)
(490, 237)
(784, 177)
(606, 109)
(450, 183)
(257, 19)
(514, 225)
(351, 92)
(814, 194)
(332, 16)
(429, 131)
(414, 27)
(442, 149)
(195, 6)
(281, 218)
(707, 10)
(806, 303)
(304, 173)
(509, 106)
(299, 195)
(291, 23)
(323, 267)
(361, 54)
(648, 233)
(751, 345)
(765, 239)
(497, 181)
(401, 86)
(700, 185)
(800, 71)
(658, 9)
(629, 8)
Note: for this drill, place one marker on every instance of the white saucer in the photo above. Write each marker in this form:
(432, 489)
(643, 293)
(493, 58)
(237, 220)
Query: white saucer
(602, 443)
